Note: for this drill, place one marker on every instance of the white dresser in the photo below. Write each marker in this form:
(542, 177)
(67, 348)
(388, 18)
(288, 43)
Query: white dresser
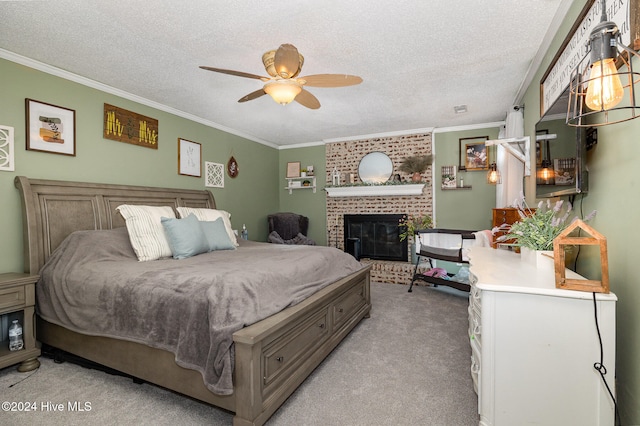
(533, 346)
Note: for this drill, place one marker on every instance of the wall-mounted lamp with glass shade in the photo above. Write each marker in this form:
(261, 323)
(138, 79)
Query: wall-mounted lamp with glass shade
(545, 175)
(599, 81)
(493, 175)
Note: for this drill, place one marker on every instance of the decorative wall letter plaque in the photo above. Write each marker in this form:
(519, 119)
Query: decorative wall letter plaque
(126, 126)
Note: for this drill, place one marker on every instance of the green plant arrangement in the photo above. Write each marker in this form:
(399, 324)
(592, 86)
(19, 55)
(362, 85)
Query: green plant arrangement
(416, 164)
(537, 230)
(410, 224)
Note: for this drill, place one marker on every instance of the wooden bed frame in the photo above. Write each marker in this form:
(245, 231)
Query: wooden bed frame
(272, 357)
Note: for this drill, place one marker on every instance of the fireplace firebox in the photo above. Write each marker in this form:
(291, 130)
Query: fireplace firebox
(375, 236)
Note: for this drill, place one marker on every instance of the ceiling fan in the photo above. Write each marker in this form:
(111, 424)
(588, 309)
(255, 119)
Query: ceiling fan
(284, 85)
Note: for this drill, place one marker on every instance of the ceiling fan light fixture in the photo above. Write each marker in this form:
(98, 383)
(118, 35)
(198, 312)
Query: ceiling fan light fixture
(283, 91)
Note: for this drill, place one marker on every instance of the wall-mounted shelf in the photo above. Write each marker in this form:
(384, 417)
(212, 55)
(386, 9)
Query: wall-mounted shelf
(297, 183)
(457, 187)
(374, 190)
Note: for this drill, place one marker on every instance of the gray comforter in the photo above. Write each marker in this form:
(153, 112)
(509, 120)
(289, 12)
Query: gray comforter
(93, 284)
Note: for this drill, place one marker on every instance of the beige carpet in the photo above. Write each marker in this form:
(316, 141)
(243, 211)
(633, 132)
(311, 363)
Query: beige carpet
(406, 365)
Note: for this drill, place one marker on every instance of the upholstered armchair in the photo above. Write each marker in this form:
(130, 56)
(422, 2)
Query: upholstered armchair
(289, 228)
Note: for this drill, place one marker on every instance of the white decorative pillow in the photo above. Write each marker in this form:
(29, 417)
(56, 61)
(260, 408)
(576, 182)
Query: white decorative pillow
(209, 215)
(146, 232)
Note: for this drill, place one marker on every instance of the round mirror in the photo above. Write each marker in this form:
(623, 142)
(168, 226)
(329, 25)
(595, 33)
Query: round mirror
(375, 167)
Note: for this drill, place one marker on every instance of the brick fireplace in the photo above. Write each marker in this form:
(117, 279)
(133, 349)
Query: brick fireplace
(345, 156)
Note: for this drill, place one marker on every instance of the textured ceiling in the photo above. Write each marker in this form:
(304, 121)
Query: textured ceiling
(418, 59)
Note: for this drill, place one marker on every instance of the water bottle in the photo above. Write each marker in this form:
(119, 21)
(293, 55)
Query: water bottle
(15, 336)
(245, 233)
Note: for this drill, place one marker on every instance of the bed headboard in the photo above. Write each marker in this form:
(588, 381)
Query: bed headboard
(52, 209)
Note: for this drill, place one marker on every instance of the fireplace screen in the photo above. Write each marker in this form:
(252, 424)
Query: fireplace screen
(375, 236)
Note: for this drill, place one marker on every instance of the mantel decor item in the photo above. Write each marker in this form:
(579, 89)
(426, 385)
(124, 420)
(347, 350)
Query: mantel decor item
(189, 155)
(50, 128)
(416, 165)
(593, 238)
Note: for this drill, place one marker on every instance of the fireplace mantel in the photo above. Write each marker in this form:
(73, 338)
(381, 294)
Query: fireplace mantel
(374, 190)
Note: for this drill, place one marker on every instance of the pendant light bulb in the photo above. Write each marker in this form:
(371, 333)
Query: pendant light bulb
(605, 89)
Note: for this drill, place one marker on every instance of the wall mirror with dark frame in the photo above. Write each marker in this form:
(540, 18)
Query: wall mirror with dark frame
(560, 153)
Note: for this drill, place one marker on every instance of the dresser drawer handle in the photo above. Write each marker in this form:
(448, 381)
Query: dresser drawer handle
(280, 359)
(340, 310)
(321, 325)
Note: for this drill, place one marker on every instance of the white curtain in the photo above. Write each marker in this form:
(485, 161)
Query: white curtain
(511, 169)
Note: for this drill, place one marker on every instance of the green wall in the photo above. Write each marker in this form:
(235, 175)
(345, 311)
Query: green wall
(613, 189)
(249, 197)
(304, 201)
(462, 208)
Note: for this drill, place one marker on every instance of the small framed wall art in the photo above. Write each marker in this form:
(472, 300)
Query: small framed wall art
(189, 155)
(50, 128)
(293, 169)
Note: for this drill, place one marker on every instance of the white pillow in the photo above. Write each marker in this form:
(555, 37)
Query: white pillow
(209, 215)
(146, 232)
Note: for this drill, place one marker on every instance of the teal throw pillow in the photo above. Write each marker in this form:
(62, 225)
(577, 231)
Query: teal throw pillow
(216, 235)
(185, 236)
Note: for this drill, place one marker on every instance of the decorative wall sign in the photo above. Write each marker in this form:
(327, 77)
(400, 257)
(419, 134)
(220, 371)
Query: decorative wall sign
(6, 149)
(189, 155)
(449, 179)
(232, 167)
(556, 79)
(473, 153)
(214, 174)
(50, 128)
(128, 127)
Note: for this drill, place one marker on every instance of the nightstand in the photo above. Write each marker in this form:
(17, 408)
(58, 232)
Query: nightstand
(17, 301)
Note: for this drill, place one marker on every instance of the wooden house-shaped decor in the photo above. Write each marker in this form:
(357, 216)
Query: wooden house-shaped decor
(593, 238)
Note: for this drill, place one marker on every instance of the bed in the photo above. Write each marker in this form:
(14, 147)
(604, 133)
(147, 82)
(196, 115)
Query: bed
(271, 357)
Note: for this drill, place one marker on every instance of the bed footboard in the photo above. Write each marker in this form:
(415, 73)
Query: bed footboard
(274, 356)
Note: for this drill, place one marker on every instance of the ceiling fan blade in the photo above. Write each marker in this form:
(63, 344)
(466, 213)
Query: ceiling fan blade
(287, 61)
(253, 95)
(306, 99)
(236, 73)
(331, 80)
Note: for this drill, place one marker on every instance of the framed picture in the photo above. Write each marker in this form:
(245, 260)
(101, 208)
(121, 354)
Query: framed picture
(189, 154)
(50, 128)
(473, 153)
(293, 169)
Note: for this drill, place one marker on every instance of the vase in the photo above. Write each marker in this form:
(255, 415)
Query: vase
(540, 259)
(416, 177)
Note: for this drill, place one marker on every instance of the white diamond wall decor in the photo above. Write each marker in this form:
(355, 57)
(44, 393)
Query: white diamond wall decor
(6, 149)
(214, 174)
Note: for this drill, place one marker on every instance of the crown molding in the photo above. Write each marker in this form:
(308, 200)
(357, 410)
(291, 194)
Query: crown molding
(40, 66)
(468, 127)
